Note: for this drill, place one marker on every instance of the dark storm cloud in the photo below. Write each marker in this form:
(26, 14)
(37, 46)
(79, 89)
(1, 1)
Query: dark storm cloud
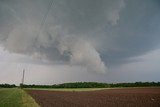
(137, 32)
(88, 33)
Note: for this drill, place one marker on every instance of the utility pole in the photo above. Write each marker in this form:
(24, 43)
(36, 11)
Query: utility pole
(23, 78)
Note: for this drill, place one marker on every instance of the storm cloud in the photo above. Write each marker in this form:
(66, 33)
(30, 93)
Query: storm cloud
(93, 34)
(62, 30)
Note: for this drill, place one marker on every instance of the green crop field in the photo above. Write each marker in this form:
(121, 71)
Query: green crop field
(67, 89)
(14, 97)
(83, 89)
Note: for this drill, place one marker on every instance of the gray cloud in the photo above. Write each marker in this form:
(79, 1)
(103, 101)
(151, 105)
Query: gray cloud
(136, 33)
(87, 33)
(61, 38)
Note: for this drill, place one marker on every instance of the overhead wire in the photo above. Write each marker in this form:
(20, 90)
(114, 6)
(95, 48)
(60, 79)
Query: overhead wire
(44, 18)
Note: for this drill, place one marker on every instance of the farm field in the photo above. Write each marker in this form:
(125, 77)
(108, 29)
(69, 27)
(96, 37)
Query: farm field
(14, 97)
(67, 89)
(122, 97)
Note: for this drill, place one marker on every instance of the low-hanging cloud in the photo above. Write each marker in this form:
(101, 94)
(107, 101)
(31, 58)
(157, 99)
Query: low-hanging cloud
(87, 33)
(61, 37)
(80, 35)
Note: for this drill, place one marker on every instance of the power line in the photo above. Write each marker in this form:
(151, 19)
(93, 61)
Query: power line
(45, 17)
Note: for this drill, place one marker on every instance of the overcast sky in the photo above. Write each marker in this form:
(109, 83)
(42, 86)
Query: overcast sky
(59, 41)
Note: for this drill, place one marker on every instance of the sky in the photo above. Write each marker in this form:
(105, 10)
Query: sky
(59, 41)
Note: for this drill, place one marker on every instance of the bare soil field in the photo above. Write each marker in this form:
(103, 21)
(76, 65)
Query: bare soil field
(125, 97)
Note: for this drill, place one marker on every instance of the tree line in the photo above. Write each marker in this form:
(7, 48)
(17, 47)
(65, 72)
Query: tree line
(7, 86)
(94, 85)
(85, 85)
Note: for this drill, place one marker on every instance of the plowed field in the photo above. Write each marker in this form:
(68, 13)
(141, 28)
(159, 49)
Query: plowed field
(125, 97)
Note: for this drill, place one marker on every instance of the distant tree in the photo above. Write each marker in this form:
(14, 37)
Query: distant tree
(93, 85)
(7, 85)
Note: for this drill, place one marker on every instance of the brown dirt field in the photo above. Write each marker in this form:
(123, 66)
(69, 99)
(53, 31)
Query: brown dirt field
(126, 97)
